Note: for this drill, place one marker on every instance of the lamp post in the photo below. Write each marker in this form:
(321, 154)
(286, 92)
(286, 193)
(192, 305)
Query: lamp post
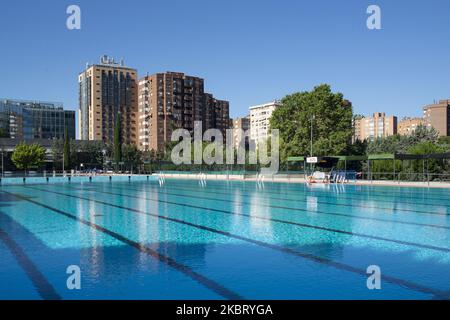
(311, 152)
(104, 157)
(312, 119)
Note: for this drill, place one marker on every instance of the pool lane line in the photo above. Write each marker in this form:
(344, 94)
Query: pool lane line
(323, 202)
(206, 282)
(320, 195)
(283, 207)
(308, 256)
(305, 187)
(425, 246)
(233, 213)
(41, 284)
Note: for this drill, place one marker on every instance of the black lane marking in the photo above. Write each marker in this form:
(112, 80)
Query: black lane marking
(359, 193)
(42, 285)
(233, 213)
(279, 207)
(208, 283)
(328, 203)
(322, 195)
(342, 204)
(404, 283)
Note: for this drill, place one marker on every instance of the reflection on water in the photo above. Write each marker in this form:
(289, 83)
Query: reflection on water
(311, 203)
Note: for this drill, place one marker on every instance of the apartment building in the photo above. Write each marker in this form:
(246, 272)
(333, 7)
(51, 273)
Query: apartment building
(23, 119)
(379, 125)
(240, 125)
(172, 100)
(216, 114)
(437, 115)
(260, 120)
(106, 91)
(408, 125)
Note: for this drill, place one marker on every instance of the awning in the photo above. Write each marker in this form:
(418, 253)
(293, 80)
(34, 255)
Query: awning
(296, 159)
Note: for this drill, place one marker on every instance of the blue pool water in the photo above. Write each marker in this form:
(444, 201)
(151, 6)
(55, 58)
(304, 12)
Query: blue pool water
(226, 240)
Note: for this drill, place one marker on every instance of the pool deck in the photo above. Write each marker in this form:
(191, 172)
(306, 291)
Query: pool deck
(300, 179)
(223, 177)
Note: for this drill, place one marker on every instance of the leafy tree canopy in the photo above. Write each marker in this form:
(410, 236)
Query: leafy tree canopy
(131, 156)
(331, 117)
(403, 144)
(26, 156)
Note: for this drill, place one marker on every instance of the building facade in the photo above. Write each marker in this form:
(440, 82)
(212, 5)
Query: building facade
(172, 100)
(438, 116)
(408, 125)
(22, 119)
(216, 114)
(378, 126)
(260, 120)
(240, 125)
(106, 91)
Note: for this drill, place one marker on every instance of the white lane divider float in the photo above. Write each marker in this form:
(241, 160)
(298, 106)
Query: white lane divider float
(202, 179)
(161, 179)
(260, 181)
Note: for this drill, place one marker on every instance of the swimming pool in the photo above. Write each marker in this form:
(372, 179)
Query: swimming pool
(223, 240)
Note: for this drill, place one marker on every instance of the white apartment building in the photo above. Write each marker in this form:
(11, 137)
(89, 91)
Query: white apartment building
(259, 120)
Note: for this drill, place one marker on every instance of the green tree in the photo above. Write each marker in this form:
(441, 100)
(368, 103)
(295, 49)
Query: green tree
(423, 134)
(402, 144)
(89, 153)
(26, 156)
(131, 156)
(391, 144)
(57, 152)
(66, 155)
(118, 141)
(444, 143)
(432, 166)
(331, 117)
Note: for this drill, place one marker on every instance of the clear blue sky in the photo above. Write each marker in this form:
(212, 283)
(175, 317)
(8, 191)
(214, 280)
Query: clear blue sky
(249, 52)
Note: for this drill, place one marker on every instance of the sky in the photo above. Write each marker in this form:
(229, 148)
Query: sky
(249, 52)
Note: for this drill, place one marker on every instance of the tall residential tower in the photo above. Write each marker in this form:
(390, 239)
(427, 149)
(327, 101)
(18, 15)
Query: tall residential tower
(108, 90)
(260, 120)
(172, 100)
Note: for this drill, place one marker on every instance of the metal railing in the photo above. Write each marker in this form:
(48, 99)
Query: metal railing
(405, 176)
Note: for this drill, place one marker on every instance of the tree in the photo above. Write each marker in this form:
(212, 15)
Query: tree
(402, 144)
(331, 117)
(433, 166)
(444, 143)
(423, 134)
(117, 141)
(26, 156)
(66, 155)
(131, 156)
(391, 144)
